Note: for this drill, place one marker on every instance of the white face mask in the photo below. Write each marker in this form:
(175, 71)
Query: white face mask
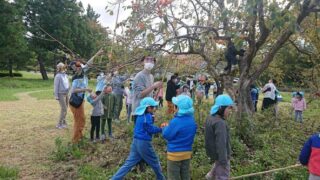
(148, 66)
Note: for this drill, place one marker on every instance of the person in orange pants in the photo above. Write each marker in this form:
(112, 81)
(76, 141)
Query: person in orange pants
(79, 122)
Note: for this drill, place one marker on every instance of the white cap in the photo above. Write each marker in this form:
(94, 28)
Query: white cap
(60, 65)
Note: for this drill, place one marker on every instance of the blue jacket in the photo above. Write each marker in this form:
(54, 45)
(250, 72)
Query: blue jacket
(144, 128)
(180, 133)
(310, 154)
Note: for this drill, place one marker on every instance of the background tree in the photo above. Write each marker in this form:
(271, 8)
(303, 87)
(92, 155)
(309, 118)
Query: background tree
(51, 22)
(13, 44)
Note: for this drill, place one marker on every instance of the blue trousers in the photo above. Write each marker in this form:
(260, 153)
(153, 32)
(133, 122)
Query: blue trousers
(140, 149)
(298, 116)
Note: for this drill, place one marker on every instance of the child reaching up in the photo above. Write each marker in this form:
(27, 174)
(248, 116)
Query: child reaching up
(141, 147)
(95, 100)
(180, 134)
(299, 105)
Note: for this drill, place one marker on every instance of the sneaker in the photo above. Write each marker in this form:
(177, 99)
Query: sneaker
(103, 138)
(64, 126)
(111, 137)
(59, 126)
(209, 177)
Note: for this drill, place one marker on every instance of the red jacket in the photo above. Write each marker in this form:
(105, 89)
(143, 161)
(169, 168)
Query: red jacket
(310, 154)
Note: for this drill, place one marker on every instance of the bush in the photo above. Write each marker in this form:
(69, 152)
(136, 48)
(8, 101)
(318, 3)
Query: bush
(8, 173)
(66, 152)
(4, 74)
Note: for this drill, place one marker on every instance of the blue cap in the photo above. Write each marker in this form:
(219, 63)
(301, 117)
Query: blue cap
(184, 103)
(221, 100)
(145, 102)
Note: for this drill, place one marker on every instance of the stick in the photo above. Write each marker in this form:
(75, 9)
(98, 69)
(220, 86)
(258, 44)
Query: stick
(265, 172)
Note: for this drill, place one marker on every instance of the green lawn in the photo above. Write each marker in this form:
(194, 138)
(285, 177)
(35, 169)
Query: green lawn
(29, 82)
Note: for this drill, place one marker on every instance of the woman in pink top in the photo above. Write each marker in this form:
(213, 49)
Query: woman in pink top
(298, 105)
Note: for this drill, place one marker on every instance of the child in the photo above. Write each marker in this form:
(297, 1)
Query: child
(180, 134)
(298, 105)
(108, 106)
(128, 94)
(141, 147)
(310, 155)
(217, 138)
(95, 100)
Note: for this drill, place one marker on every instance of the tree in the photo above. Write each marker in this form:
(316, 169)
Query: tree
(13, 44)
(62, 25)
(195, 27)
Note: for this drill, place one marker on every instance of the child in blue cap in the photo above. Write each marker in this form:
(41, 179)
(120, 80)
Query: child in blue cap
(217, 138)
(179, 135)
(141, 147)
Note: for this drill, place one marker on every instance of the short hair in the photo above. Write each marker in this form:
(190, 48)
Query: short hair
(173, 77)
(143, 57)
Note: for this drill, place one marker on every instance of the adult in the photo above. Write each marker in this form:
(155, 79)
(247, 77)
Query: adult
(269, 91)
(143, 83)
(217, 138)
(117, 83)
(143, 86)
(207, 85)
(61, 90)
(79, 87)
(171, 92)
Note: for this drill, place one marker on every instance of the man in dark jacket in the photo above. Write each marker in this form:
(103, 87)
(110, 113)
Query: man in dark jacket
(171, 92)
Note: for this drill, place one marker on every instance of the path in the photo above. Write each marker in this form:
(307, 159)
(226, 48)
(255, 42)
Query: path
(27, 129)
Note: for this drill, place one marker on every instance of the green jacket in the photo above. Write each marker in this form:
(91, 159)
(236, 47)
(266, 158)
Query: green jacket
(108, 101)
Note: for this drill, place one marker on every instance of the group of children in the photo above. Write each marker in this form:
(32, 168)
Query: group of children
(103, 102)
(179, 134)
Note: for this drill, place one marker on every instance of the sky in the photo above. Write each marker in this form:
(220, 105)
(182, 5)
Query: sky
(105, 19)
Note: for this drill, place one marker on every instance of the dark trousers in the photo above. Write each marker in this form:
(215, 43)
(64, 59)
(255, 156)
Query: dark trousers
(95, 126)
(160, 101)
(103, 126)
(267, 103)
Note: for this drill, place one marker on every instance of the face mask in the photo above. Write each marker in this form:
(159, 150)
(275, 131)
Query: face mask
(148, 66)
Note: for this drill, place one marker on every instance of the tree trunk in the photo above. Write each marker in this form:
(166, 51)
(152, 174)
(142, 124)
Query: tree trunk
(10, 68)
(244, 98)
(42, 69)
(54, 65)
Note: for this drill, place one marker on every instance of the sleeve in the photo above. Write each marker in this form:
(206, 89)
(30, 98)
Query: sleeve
(74, 85)
(221, 142)
(97, 99)
(149, 127)
(56, 86)
(90, 100)
(170, 131)
(305, 152)
(138, 86)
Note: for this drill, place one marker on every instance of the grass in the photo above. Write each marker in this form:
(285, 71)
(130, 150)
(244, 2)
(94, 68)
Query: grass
(29, 82)
(8, 172)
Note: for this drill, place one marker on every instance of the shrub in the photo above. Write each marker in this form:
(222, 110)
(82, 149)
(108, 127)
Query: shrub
(4, 74)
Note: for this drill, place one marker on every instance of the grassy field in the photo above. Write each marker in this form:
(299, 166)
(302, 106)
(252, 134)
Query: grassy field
(32, 148)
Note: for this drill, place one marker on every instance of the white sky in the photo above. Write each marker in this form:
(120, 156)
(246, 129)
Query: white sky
(105, 19)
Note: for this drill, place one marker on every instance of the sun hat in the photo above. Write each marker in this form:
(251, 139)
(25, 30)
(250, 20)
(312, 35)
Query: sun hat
(221, 100)
(184, 103)
(145, 102)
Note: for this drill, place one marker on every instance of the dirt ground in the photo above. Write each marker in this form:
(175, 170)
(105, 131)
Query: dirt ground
(27, 129)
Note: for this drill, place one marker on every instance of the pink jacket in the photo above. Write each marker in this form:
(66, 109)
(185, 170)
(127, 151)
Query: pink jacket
(299, 105)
